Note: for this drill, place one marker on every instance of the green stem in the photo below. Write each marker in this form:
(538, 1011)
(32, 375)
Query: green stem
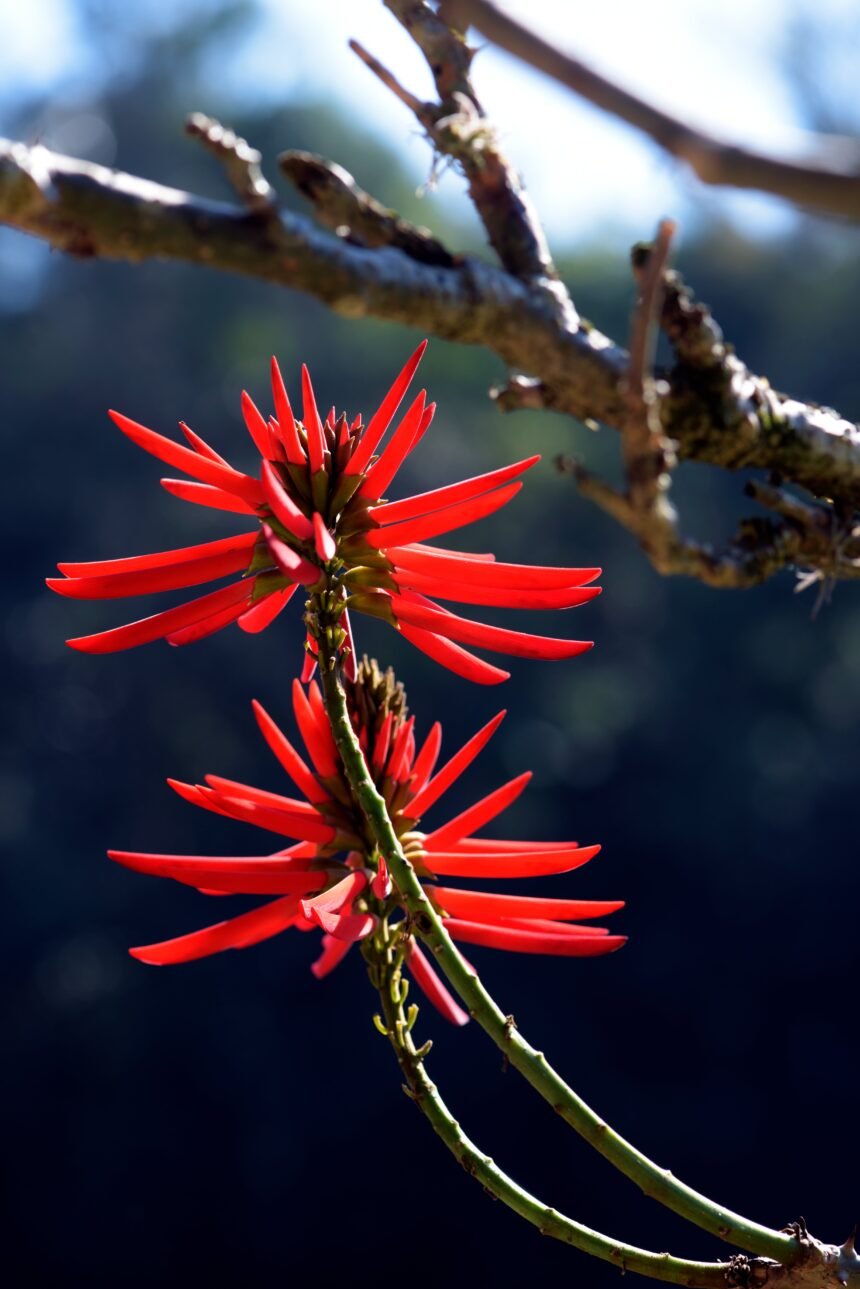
(384, 963)
(656, 1182)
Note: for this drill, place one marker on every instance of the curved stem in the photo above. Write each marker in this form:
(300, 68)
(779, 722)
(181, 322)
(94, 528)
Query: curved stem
(384, 962)
(656, 1182)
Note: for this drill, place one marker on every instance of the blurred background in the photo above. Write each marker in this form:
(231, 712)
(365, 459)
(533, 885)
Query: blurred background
(233, 1120)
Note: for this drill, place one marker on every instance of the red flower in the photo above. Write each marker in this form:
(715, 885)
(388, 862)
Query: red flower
(321, 521)
(329, 878)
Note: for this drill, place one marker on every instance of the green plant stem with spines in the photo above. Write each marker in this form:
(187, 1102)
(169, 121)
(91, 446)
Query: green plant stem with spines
(384, 959)
(656, 1182)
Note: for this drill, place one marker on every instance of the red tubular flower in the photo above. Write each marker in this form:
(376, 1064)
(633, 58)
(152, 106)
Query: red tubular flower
(331, 877)
(320, 521)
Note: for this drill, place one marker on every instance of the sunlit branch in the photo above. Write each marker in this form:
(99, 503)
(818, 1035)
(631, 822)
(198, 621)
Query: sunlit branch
(241, 162)
(342, 205)
(829, 190)
(712, 407)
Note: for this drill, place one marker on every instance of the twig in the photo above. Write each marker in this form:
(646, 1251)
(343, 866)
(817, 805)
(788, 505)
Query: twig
(649, 457)
(830, 191)
(241, 162)
(816, 538)
(417, 106)
(459, 129)
(341, 204)
(648, 454)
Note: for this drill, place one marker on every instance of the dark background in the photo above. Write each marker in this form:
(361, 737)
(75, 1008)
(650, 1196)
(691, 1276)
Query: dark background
(235, 1122)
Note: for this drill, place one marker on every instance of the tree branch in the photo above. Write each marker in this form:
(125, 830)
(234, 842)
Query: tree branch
(828, 190)
(459, 129)
(712, 406)
(342, 205)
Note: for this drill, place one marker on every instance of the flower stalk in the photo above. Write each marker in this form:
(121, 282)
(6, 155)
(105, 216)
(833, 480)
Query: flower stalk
(384, 955)
(656, 1182)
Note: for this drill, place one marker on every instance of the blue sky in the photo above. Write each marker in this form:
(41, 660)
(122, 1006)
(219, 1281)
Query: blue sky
(718, 63)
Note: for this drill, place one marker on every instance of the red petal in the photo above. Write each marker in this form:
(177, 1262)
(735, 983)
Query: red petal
(312, 423)
(282, 820)
(245, 790)
(286, 420)
(254, 876)
(433, 988)
(282, 505)
(323, 540)
(425, 502)
(441, 521)
(263, 613)
(547, 924)
(333, 952)
(478, 815)
(291, 564)
(285, 823)
(491, 844)
(325, 908)
(381, 420)
(451, 771)
(500, 639)
(309, 667)
(485, 906)
(162, 624)
(256, 425)
(205, 627)
(398, 764)
(450, 655)
(117, 586)
(463, 568)
(201, 446)
(385, 468)
(190, 462)
(519, 941)
(288, 756)
(350, 664)
(382, 885)
(160, 559)
(487, 557)
(426, 759)
(318, 740)
(508, 864)
(383, 742)
(203, 494)
(348, 927)
(236, 933)
(501, 597)
(317, 705)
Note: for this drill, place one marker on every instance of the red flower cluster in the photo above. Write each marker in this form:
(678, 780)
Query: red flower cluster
(331, 877)
(321, 522)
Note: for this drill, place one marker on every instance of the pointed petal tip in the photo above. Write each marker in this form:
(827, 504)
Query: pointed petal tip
(82, 644)
(142, 955)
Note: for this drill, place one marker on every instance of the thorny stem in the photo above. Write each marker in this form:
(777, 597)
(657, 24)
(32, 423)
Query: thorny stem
(656, 1182)
(383, 953)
